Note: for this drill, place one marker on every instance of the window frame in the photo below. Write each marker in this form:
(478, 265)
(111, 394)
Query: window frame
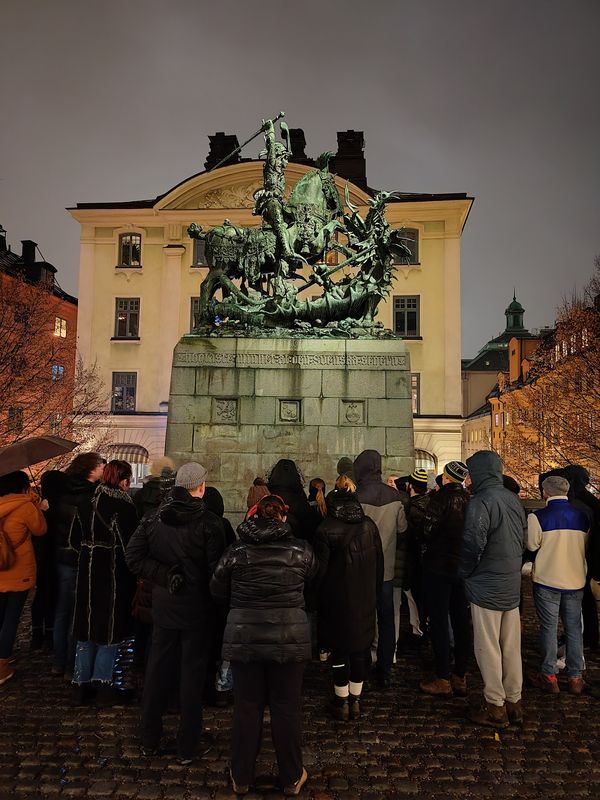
(405, 311)
(197, 243)
(58, 373)
(415, 259)
(128, 314)
(116, 385)
(194, 300)
(121, 262)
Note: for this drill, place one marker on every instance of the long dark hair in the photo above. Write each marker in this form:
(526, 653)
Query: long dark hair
(115, 472)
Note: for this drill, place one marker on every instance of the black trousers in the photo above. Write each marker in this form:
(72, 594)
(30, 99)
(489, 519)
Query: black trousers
(348, 667)
(163, 664)
(256, 685)
(445, 596)
(589, 609)
(43, 606)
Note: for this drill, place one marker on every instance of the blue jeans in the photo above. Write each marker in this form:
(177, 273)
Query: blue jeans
(551, 605)
(11, 608)
(94, 662)
(64, 646)
(386, 630)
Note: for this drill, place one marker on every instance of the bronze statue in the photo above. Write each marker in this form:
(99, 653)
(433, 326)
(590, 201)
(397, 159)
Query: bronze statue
(295, 233)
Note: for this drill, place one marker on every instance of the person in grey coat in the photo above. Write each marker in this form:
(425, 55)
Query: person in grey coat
(493, 545)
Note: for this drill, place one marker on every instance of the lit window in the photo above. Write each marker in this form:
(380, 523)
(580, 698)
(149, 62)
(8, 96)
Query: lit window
(496, 419)
(60, 327)
(585, 339)
(127, 318)
(407, 315)
(124, 390)
(507, 418)
(130, 250)
(415, 390)
(58, 372)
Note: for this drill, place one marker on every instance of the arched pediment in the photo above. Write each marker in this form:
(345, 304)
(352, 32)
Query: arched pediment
(233, 187)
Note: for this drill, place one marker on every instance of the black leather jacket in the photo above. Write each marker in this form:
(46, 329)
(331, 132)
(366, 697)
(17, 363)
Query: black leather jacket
(262, 576)
(442, 536)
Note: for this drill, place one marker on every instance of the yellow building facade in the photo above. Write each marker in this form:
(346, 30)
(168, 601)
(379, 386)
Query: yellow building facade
(140, 275)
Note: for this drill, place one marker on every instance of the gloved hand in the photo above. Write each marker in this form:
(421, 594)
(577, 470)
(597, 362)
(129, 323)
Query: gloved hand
(175, 579)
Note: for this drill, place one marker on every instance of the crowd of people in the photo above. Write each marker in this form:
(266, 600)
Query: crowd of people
(307, 574)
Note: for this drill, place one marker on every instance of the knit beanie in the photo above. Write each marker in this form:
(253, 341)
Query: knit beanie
(418, 478)
(345, 466)
(191, 475)
(456, 471)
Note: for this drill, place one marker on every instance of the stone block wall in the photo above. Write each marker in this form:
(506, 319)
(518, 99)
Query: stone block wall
(239, 405)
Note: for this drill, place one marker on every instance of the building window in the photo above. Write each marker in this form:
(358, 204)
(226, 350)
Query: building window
(15, 420)
(130, 250)
(56, 419)
(415, 391)
(127, 318)
(194, 313)
(58, 372)
(199, 256)
(124, 390)
(496, 419)
(60, 327)
(411, 240)
(406, 315)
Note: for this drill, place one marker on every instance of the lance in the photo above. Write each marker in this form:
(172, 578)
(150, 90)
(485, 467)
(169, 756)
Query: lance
(254, 135)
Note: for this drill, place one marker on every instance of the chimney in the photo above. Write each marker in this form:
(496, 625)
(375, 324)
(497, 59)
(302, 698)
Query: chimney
(298, 145)
(349, 161)
(28, 251)
(2, 240)
(221, 145)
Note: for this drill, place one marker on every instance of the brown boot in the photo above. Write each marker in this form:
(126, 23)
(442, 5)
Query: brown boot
(490, 715)
(438, 686)
(6, 671)
(459, 685)
(514, 712)
(577, 686)
(547, 683)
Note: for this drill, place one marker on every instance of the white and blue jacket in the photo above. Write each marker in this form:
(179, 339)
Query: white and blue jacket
(560, 533)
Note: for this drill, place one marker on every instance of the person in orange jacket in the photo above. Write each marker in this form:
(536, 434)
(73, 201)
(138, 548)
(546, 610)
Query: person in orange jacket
(20, 518)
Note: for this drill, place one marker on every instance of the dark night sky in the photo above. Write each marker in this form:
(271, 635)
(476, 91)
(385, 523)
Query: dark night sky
(113, 100)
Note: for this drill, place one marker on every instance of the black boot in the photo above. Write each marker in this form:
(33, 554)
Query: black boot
(82, 694)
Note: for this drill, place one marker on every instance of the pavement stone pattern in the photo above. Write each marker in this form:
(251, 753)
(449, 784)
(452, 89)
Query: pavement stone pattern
(405, 745)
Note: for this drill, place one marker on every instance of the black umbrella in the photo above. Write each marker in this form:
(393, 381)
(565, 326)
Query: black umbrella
(31, 451)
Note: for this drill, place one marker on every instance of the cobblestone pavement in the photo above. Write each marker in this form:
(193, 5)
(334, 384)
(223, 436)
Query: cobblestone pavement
(406, 744)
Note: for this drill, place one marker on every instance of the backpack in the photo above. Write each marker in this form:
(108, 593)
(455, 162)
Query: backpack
(8, 554)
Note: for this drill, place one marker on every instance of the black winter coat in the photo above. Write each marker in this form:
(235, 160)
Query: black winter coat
(442, 535)
(407, 571)
(105, 587)
(285, 481)
(182, 536)
(262, 576)
(69, 513)
(350, 557)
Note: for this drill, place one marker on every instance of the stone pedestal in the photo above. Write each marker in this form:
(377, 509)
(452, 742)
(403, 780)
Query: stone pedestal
(239, 405)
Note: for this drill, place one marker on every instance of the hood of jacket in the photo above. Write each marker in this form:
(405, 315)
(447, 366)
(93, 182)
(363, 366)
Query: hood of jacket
(578, 478)
(285, 475)
(181, 508)
(213, 500)
(485, 469)
(11, 502)
(367, 467)
(344, 506)
(260, 531)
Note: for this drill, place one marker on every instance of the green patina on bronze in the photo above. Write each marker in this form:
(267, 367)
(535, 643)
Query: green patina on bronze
(302, 230)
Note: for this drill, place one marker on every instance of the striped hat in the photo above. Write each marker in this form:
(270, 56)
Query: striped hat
(419, 477)
(456, 471)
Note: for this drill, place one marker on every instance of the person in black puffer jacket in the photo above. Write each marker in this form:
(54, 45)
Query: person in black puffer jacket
(267, 639)
(350, 556)
(441, 544)
(177, 549)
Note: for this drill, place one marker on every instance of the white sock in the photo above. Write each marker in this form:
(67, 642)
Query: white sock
(355, 688)
(341, 691)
